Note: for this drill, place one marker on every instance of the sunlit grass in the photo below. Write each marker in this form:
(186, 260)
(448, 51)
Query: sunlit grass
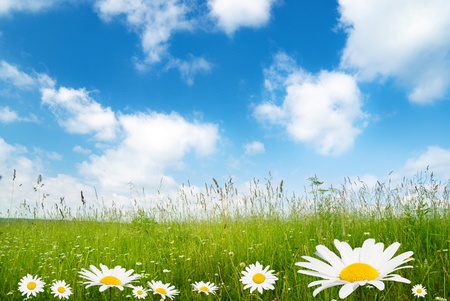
(213, 236)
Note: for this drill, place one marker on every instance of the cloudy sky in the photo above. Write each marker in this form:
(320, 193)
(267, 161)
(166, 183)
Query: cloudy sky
(103, 95)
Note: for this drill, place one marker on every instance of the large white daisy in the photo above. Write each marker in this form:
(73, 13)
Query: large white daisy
(61, 289)
(205, 287)
(106, 278)
(31, 285)
(369, 264)
(163, 289)
(257, 277)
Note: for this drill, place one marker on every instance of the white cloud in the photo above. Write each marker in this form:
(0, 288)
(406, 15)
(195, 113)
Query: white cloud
(155, 21)
(81, 150)
(20, 170)
(7, 115)
(142, 148)
(233, 14)
(7, 6)
(12, 75)
(407, 40)
(322, 110)
(435, 158)
(152, 143)
(254, 147)
(78, 113)
(189, 68)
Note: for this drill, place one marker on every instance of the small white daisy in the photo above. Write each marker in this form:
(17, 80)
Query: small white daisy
(31, 285)
(419, 291)
(257, 277)
(139, 292)
(163, 289)
(61, 289)
(367, 265)
(106, 278)
(206, 288)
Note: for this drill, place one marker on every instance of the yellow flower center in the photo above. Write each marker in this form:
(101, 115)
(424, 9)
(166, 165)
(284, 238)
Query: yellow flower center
(204, 289)
(419, 290)
(61, 289)
(111, 280)
(258, 278)
(358, 272)
(161, 290)
(140, 292)
(31, 285)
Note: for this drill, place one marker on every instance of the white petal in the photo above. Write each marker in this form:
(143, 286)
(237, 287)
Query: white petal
(324, 253)
(395, 277)
(390, 266)
(366, 250)
(378, 284)
(347, 254)
(318, 265)
(312, 273)
(347, 289)
(324, 286)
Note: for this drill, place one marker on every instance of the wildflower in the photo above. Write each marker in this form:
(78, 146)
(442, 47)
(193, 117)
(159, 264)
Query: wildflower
(255, 277)
(106, 278)
(61, 289)
(139, 292)
(163, 289)
(31, 285)
(206, 288)
(369, 264)
(419, 291)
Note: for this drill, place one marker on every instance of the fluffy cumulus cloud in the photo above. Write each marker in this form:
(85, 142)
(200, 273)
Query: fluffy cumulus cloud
(154, 21)
(142, 148)
(78, 113)
(408, 40)
(322, 110)
(152, 143)
(25, 189)
(435, 158)
(233, 14)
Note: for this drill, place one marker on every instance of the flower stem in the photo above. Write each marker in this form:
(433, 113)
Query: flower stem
(361, 293)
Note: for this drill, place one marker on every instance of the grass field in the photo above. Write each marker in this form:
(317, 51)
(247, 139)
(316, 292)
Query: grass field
(227, 231)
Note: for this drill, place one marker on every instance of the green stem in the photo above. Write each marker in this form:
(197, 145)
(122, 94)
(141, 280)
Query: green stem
(361, 293)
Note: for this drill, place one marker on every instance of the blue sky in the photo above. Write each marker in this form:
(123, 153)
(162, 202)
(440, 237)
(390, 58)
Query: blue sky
(97, 94)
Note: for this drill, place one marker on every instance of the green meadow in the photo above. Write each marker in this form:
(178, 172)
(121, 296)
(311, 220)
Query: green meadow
(212, 236)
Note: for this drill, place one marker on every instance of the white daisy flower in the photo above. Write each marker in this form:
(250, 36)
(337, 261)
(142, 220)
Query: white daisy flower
(163, 289)
(255, 277)
(61, 290)
(31, 285)
(419, 291)
(369, 264)
(106, 278)
(206, 288)
(139, 292)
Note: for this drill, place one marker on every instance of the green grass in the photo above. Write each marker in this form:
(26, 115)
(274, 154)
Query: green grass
(228, 231)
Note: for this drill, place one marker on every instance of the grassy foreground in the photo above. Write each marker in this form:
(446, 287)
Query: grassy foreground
(270, 227)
